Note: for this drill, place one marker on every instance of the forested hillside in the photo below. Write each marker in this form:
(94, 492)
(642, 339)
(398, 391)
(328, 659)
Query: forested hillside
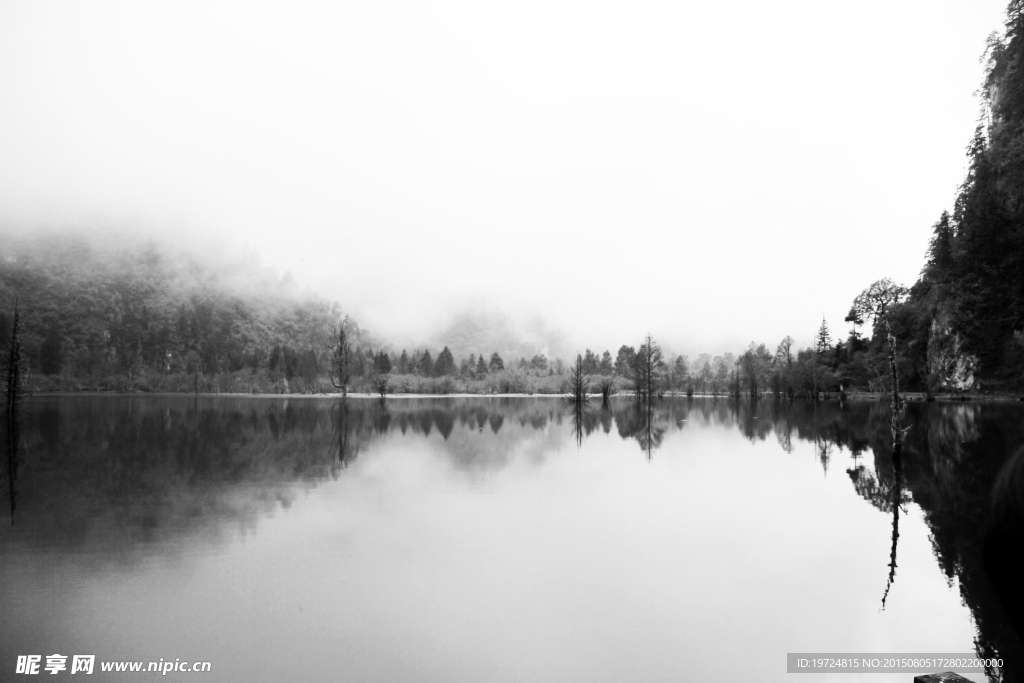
(129, 313)
(966, 313)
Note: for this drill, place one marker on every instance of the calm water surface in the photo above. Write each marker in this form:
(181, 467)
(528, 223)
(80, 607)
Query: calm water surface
(495, 539)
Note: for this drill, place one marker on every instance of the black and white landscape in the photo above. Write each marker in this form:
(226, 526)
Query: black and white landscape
(540, 341)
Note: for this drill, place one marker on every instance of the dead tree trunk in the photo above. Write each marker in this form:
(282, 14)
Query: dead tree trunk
(12, 388)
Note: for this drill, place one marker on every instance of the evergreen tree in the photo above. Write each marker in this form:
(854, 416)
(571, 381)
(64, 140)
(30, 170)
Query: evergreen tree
(589, 363)
(496, 364)
(403, 363)
(445, 363)
(606, 367)
(624, 360)
(823, 340)
(940, 250)
(680, 372)
(481, 366)
(426, 365)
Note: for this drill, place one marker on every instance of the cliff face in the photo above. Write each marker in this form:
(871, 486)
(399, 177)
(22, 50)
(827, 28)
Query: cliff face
(948, 359)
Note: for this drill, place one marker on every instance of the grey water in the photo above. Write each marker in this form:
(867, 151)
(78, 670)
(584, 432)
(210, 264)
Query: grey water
(495, 539)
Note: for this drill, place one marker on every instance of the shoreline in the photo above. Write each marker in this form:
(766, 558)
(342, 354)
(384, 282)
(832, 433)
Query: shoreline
(910, 397)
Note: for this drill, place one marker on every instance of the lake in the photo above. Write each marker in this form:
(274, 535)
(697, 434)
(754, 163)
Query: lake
(496, 539)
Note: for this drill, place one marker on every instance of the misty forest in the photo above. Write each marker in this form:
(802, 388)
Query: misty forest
(133, 314)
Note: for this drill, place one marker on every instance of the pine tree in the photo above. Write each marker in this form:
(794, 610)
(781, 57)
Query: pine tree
(481, 366)
(445, 363)
(940, 249)
(624, 360)
(680, 372)
(823, 340)
(496, 364)
(426, 365)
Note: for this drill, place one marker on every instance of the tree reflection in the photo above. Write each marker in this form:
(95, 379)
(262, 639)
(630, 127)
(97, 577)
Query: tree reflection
(645, 423)
(576, 409)
(824, 452)
(344, 452)
(158, 467)
(897, 493)
(12, 451)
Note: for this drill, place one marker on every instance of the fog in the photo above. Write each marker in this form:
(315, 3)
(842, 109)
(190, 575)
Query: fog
(713, 173)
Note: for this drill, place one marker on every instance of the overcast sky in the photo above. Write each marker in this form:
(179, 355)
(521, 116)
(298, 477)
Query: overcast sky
(713, 172)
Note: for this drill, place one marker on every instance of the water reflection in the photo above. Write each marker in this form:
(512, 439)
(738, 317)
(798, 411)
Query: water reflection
(577, 410)
(129, 475)
(12, 459)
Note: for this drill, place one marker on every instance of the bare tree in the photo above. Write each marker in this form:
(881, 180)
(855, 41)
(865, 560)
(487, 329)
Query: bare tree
(784, 352)
(876, 302)
(381, 384)
(648, 368)
(577, 386)
(15, 361)
(13, 394)
(784, 365)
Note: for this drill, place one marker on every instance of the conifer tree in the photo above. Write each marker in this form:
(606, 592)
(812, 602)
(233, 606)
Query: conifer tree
(940, 249)
(496, 364)
(445, 363)
(426, 365)
(823, 340)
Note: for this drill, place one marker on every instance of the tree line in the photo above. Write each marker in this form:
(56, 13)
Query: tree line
(126, 319)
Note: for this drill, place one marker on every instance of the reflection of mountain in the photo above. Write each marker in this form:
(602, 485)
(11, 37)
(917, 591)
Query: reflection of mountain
(951, 457)
(122, 473)
(115, 471)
